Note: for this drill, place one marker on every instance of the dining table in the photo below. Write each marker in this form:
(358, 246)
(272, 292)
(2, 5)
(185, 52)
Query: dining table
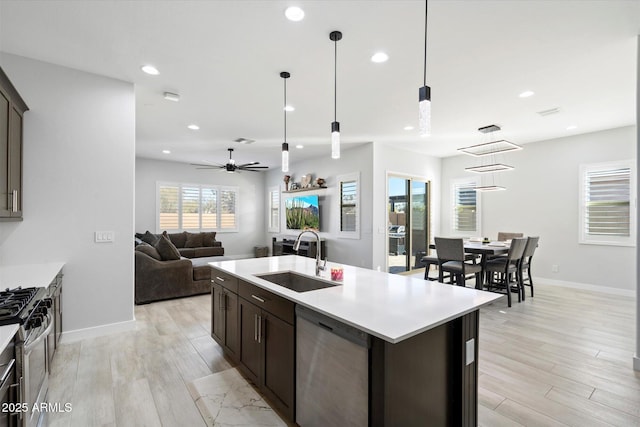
(485, 249)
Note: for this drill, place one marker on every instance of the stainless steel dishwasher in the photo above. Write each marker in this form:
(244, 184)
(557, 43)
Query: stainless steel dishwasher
(332, 372)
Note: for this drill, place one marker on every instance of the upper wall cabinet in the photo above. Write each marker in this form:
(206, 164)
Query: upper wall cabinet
(12, 108)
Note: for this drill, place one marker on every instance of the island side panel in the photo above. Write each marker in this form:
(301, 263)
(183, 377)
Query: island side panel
(424, 379)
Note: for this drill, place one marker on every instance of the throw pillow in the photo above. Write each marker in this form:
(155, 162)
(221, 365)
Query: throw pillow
(208, 238)
(166, 249)
(149, 250)
(148, 237)
(194, 240)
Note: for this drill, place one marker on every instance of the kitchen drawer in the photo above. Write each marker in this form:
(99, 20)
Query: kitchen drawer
(272, 303)
(224, 279)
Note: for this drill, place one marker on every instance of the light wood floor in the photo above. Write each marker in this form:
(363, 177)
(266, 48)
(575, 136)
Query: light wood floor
(561, 358)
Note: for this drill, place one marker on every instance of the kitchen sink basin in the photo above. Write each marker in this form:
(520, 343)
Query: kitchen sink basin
(296, 282)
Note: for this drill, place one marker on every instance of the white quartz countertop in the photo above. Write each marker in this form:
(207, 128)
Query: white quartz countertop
(28, 275)
(389, 306)
(6, 335)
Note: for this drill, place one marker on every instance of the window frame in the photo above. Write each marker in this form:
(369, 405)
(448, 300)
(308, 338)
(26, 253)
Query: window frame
(273, 226)
(587, 239)
(218, 192)
(349, 177)
(455, 184)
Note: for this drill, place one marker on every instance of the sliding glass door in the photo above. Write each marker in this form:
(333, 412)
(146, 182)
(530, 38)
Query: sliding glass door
(408, 222)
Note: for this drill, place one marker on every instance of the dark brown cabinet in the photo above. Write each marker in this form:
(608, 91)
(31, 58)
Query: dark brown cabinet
(12, 108)
(267, 354)
(224, 318)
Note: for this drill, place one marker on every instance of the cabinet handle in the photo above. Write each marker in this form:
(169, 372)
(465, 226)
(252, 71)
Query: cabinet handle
(220, 279)
(258, 298)
(255, 327)
(259, 329)
(14, 205)
(221, 301)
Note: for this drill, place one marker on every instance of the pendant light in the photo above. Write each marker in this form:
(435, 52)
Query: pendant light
(335, 125)
(424, 93)
(285, 147)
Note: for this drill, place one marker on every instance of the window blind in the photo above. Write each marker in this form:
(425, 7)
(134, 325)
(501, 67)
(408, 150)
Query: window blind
(464, 209)
(348, 205)
(607, 202)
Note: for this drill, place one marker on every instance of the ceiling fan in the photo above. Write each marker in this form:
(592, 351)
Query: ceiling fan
(231, 166)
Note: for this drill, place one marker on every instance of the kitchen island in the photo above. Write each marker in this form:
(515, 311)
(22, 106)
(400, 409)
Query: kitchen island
(422, 337)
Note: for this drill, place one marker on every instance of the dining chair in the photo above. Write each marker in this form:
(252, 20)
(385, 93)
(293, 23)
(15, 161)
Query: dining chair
(505, 267)
(451, 258)
(525, 263)
(503, 236)
(427, 261)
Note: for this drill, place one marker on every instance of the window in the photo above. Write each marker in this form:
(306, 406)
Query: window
(197, 207)
(349, 217)
(274, 210)
(607, 211)
(465, 207)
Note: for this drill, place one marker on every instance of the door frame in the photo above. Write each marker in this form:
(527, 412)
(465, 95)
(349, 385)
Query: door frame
(402, 175)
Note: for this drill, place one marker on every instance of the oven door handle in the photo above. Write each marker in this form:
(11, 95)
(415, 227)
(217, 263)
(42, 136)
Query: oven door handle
(43, 335)
(7, 370)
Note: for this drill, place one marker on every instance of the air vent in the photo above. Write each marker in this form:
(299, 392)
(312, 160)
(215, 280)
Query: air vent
(490, 128)
(244, 140)
(549, 112)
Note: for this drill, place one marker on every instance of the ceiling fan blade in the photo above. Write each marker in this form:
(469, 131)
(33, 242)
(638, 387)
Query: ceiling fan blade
(207, 165)
(248, 164)
(254, 167)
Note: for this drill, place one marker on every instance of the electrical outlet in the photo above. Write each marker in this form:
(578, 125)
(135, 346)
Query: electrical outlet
(555, 268)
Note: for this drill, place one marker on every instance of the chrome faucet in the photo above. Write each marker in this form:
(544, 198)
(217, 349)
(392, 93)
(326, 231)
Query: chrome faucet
(296, 246)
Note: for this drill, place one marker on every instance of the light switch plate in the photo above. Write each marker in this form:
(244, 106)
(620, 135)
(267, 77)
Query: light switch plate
(103, 236)
(470, 351)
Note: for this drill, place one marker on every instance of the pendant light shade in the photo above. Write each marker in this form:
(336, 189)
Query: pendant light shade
(334, 36)
(285, 147)
(424, 93)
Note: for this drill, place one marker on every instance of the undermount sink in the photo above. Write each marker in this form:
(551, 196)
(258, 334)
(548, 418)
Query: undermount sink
(296, 282)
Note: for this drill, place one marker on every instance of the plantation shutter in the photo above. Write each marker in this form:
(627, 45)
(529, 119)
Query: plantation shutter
(209, 204)
(607, 202)
(228, 209)
(464, 209)
(348, 205)
(168, 207)
(190, 208)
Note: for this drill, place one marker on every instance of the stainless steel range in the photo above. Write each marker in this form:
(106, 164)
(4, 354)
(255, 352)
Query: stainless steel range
(29, 308)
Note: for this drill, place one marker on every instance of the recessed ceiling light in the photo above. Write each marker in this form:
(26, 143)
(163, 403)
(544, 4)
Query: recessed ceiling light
(289, 108)
(171, 96)
(166, 151)
(294, 13)
(193, 127)
(379, 57)
(150, 69)
(408, 128)
(526, 94)
(299, 146)
(572, 127)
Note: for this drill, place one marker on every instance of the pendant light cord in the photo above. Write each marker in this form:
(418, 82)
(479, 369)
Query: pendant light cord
(335, 81)
(285, 110)
(426, 10)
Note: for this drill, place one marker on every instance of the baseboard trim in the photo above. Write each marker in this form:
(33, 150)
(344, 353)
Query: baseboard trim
(586, 287)
(636, 363)
(97, 331)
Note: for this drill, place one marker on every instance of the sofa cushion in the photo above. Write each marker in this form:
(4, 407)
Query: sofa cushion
(178, 239)
(148, 237)
(166, 249)
(194, 240)
(149, 250)
(208, 238)
(207, 251)
(187, 252)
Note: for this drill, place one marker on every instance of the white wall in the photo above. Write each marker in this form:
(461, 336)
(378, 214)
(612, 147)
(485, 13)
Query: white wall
(358, 159)
(79, 143)
(250, 203)
(389, 159)
(542, 200)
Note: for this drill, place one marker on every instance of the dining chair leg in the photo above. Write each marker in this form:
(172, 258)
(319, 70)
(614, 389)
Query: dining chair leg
(530, 279)
(508, 288)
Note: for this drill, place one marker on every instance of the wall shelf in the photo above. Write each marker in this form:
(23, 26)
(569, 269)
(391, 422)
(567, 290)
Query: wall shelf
(302, 190)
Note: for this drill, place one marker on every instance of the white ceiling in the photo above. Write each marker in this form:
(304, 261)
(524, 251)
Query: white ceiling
(224, 59)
